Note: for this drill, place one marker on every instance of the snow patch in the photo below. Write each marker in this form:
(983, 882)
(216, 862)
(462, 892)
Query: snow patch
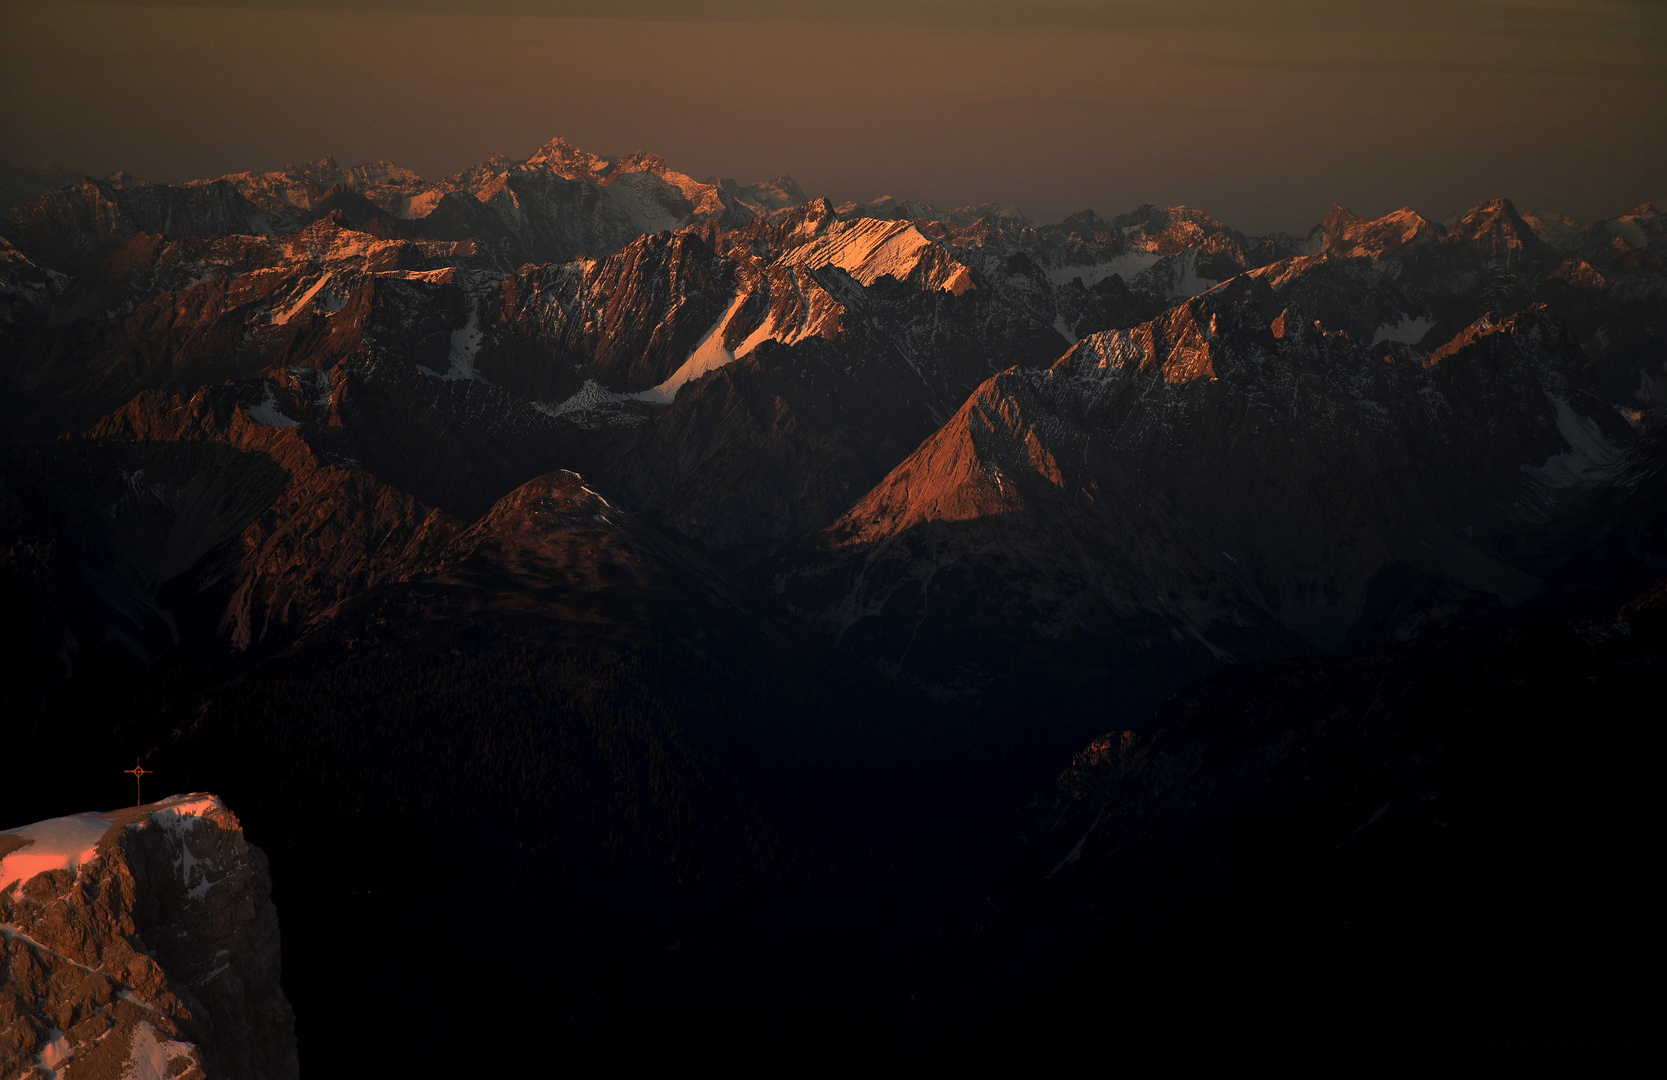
(186, 862)
(708, 355)
(1589, 459)
(130, 996)
(443, 276)
(767, 331)
(67, 843)
(184, 811)
(58, 844)
(1408, 330)
(423, 203)
(282, 318)
(643, 198)
(465, 345)
(267, 412)
(592, 395)
(317, 380)
(55, 1053)
(1630, 231)
(592, 399)
(149, 1056)
(1178, 278)
(1126, 266)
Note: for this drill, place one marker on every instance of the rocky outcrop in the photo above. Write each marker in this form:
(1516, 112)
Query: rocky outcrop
(140, 943)
(189, 519)
(1343, 233)
(72, 228)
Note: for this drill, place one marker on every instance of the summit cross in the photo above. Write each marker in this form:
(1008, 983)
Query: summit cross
(139, 772)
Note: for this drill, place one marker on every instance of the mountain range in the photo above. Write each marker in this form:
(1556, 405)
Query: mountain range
(681, 564)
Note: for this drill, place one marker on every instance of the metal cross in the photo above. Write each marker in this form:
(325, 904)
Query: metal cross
(138, 772)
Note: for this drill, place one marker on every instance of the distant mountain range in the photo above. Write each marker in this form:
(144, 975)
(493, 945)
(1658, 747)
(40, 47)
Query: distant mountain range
(707, 540)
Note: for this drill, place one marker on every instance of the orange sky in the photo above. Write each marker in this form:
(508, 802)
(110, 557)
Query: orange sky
(1261, 117)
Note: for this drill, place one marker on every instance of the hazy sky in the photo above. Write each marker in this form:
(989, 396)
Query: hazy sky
(1260, 114)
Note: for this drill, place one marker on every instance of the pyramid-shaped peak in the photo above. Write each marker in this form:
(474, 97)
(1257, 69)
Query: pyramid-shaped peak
(1345, 234)
(784, 188)
(1498, 229)
(1152, 219)
(1339, 217)
(561, 156)
(1005, 211)
(772, 194)
(557, 147)
(1489, 216)
(1083, 218)
(1407, 222)
(324, 170)
(642, 161)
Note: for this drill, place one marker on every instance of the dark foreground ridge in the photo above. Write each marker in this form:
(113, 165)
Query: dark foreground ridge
(1427, 846)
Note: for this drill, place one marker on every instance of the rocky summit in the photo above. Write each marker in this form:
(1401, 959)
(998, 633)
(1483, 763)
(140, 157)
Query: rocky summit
(141, 942)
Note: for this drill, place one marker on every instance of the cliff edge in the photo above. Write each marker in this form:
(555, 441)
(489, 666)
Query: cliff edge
(140, 943)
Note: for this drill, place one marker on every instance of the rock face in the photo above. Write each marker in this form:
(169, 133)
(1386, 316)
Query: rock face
(1236, 478)
(140, 943)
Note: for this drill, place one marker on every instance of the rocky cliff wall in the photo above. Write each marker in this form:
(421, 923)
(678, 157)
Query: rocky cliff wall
(140, 943)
